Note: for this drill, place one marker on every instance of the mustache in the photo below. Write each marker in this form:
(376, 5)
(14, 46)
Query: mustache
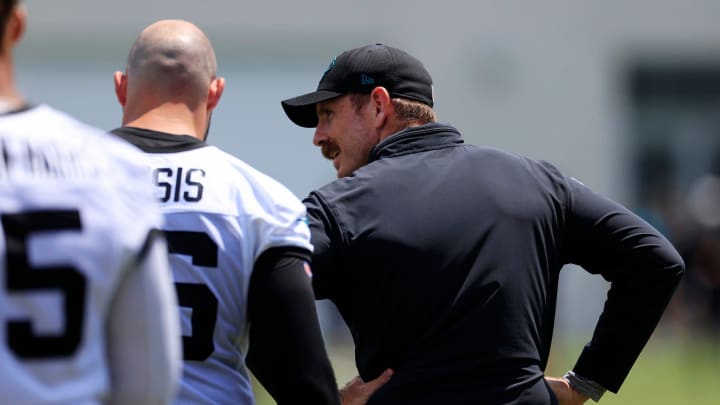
(329, 150)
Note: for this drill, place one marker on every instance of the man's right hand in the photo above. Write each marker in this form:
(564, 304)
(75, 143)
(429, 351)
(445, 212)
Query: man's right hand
(357, 392)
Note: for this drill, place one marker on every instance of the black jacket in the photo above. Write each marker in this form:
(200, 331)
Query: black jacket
(443, 258)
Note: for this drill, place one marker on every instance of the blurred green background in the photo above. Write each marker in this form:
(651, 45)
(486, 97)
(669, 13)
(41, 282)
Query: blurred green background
(668, 372)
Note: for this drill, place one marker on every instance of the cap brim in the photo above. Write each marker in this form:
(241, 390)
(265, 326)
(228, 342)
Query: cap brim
(301, 109)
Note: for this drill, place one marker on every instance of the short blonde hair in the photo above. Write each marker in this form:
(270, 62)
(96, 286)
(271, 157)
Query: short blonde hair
(407, 110)
(413, 111)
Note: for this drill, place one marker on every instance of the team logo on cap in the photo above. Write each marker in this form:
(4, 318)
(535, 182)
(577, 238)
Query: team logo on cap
(365, 79)
(329, 68)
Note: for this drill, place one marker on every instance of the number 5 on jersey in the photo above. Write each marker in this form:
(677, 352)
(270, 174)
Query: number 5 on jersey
(22, 277)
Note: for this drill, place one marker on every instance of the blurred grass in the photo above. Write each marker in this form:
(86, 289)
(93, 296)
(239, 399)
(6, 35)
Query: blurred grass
(668, 372)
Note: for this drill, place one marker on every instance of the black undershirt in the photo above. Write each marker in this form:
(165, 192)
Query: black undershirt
(287, 353)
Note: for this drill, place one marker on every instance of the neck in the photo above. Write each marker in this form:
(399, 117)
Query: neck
(170, 119)
(397, 126)
(10, 98)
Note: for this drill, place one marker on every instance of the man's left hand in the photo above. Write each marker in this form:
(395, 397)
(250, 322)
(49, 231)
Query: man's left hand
(565, 394)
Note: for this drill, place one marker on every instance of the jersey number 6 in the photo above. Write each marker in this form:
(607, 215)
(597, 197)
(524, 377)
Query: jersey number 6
(204, 252)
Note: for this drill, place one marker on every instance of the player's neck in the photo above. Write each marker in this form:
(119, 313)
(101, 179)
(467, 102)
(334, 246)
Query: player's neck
(10, 98)
(162, 121)
(10, 101)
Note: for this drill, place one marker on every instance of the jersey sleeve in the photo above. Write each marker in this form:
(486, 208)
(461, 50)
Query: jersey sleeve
(144, 348)
(643, 268)
(276, 217)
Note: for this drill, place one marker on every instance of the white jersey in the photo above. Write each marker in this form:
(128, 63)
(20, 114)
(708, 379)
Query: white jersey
(75, 223)
(220, 215)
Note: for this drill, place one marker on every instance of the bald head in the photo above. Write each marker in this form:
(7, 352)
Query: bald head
(169, 83)
(173, 59)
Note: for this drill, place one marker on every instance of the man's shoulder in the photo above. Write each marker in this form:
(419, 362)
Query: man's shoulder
(47, 127)
(229, 184)
(245, 175)
(43, 121)
(79, 165)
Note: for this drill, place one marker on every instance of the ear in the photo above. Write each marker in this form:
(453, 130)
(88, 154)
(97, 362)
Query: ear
(15, 27)
(120, 80)
(382, 106)
(215, 92)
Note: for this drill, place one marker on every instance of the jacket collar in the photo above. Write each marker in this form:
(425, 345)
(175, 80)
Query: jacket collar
(417, 139)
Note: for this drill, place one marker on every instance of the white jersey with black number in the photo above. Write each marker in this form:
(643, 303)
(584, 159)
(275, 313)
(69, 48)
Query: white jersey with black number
(75, 215)
(220, 215)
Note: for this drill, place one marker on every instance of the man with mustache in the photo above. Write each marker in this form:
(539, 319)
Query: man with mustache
(443, 258)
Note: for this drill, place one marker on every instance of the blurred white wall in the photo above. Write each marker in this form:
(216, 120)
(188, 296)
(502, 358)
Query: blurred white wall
(540, 78)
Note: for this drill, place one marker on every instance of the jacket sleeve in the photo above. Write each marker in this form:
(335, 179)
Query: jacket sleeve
(287, 353)
(643, 268)
(325, 235)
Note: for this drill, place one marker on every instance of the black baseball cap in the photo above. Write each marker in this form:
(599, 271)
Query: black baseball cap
(360, 70)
